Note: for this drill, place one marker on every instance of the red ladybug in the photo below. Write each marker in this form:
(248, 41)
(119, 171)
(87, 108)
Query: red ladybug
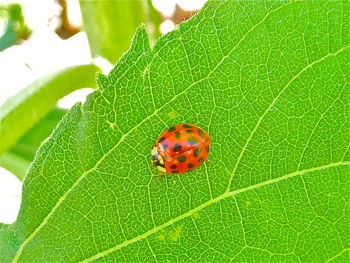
(180, 149)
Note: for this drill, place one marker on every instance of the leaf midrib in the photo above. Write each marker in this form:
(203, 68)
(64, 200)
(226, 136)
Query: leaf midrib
(210, 202)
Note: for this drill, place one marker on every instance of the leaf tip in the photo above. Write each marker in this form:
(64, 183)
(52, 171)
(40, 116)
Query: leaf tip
(140, 48)
(140, 40)
(101, 80)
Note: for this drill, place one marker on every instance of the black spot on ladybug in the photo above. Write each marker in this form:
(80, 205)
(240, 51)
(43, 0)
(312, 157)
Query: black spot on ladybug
(192, 140)
(207, 148)
(187, 126)
(189, 131)
(171, 129)
(161, 140)
(200, 160)
(201, 133)
(181, 158)
(190, 165)
(197, 152)
(173, 166)
(165, 146)
(177, 135)
(174, 172)
(177, 148)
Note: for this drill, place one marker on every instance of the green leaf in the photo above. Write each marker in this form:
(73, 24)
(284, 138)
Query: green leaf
(8, 36)
(8, 246)
(153, 20)
(20, 112)
(18, 158)
(12, 19)
(110, 25)
(28, 144)
(269, 82)
(15, 164)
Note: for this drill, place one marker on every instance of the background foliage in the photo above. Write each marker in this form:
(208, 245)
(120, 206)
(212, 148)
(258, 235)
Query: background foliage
(109, 26)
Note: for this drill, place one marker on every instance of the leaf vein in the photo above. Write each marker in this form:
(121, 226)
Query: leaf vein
(206, 204)
(272, 104)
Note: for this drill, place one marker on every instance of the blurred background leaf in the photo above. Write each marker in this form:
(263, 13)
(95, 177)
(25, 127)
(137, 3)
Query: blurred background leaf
(18, 158)
(15, 164)
(110, 25)
(14, 25)
(20, 112)
(26, 146)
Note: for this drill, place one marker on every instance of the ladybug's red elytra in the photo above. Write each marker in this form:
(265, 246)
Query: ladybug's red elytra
(180, 149)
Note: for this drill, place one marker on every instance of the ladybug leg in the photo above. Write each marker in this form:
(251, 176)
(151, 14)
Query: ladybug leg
(160, 175)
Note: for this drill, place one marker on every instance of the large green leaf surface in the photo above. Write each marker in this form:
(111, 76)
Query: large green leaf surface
(269, 81)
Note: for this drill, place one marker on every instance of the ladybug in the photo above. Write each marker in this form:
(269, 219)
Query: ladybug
(180, 149)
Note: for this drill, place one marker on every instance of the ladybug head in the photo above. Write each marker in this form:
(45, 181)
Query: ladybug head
(157, 159)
